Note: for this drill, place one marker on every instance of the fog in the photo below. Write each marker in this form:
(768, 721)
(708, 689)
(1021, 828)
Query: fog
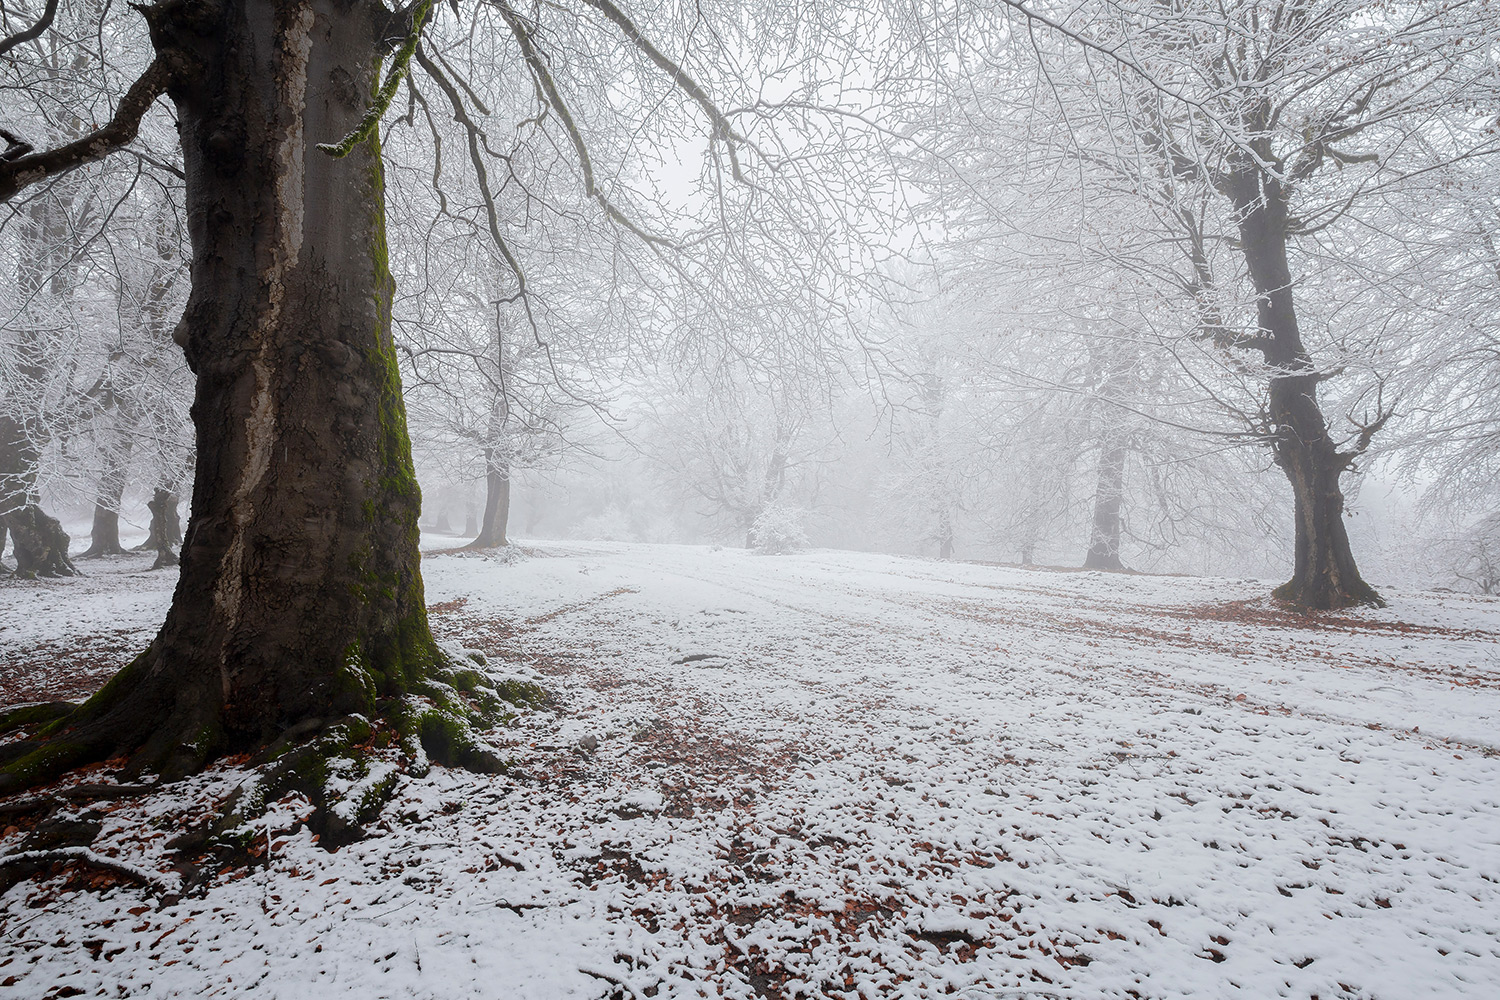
(796, 498)
(1006, 315)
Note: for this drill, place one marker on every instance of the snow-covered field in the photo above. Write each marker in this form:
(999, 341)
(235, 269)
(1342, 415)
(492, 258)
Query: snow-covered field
(845, 775)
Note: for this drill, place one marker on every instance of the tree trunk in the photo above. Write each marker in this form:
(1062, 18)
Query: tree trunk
(496, 501)
(104, 539)
(39, 543)
(1325, 575)
(1104, 537)
(173, 520)
(165, 529)
(945, 535)
(299, 599)
(163, 507)
(471, 516)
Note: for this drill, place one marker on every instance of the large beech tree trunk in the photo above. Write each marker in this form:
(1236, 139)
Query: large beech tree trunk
(1109, 491)
(299, 598)
(496, 501)
(1325, 575)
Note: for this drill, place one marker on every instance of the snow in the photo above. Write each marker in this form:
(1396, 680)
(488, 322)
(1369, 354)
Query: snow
(835, 774)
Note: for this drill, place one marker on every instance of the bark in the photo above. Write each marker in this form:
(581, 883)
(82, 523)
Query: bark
(945, 535)
(496, 501)
(299, 599)
(1104, 537)
(1325, 575)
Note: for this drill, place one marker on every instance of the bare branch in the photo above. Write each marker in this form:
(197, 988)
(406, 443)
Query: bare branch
(723, 131)
(550, 94)
(23, 171)
(27, 34)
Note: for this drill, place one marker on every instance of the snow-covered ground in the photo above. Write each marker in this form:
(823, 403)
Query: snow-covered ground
(846, 775)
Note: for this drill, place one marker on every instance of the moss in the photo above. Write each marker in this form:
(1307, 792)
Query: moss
(208, 736)
(52, 712)
(54, 756)
(368, 805)
(449, 740)
(524, 694)
(117, 686)
(303, 768)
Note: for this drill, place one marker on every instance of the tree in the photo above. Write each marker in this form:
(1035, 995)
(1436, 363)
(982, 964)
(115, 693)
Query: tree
(733, 447)
(142, 394)
(1226, 152)
(299, 612)
(489, 396)
(299, 599)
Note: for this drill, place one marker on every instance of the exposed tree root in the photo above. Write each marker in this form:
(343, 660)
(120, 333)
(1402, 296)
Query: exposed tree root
(22, 865)
(1305, 597)
(337, 764)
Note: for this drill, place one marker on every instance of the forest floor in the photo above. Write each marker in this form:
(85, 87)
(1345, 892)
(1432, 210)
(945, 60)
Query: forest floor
(836, 775)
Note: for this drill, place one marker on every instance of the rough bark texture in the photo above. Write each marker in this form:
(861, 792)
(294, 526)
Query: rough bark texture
(300, 599)
(496, 501)
(1109, 490)
(1325, 575)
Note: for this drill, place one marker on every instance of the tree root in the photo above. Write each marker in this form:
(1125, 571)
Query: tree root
(22, 865)
(1307, 597)
(338, 764)
(36, 715)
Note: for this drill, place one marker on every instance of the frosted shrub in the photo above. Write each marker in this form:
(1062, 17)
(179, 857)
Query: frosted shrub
(778, 530)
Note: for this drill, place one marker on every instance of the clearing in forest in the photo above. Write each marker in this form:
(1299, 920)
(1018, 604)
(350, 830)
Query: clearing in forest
(831, 775)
